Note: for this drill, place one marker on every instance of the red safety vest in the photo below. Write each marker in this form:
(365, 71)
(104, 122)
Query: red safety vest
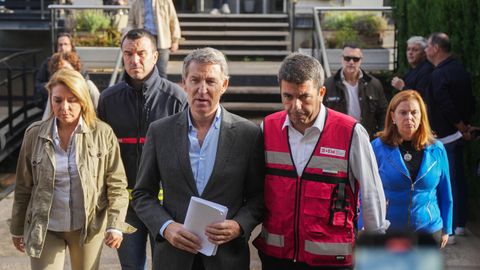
(309, 218)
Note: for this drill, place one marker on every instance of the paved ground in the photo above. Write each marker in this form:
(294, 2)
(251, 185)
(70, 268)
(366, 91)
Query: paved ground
(462, 256)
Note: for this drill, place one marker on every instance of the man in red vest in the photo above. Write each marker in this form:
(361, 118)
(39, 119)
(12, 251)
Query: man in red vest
(317, 160)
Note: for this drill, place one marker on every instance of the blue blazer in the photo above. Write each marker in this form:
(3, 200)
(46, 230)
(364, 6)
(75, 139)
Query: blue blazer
(424, 206)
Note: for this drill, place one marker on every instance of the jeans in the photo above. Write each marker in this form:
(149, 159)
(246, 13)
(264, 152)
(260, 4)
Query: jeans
(216, 3)
(132, 252)
(162, 62)
(458, 182)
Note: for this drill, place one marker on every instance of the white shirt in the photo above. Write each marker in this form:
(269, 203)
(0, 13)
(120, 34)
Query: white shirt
(362, 167)
(353, 104)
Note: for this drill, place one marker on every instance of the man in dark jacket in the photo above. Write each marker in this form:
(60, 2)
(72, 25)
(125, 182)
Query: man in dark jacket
(129, 107)
(451, 104)
(418, 76)
(354, 92)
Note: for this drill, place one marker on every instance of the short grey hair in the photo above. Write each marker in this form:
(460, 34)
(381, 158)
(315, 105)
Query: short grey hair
(418, 40)
(299, 68)
(205, 55)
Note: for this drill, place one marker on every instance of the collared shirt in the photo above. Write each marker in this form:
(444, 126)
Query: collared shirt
(362, 167)
(302, 145)
(353, 104)
(202, 157)
(68, 210)
(149, 23)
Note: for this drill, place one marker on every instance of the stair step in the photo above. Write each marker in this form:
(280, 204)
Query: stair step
(236, 42)
(242, 52)
(235, 24)
(256, 107)
(183, 16)
(253, 90)
(237, 33)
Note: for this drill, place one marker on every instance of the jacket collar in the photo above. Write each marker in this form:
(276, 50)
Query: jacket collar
(445, 62)
(45, 129)
(366, 77)
(394, 157)
(148, 84)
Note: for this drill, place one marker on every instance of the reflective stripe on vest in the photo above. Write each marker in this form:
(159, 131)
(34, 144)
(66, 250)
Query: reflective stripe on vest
(271, 239)
(131, 140)
(329, 249)
(328, 165)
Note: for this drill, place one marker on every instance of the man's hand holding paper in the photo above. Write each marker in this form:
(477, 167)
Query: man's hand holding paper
(182, 239)
(223, 232)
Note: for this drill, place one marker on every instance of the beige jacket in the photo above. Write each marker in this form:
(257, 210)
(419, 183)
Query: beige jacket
(168, 27)
(101, 174)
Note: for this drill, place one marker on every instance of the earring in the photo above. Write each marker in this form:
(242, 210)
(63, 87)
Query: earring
(394, 122)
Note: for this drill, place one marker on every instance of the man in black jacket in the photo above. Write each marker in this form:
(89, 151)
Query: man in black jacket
(129, 107)
(354, 92)
(418, 76)
(451, 104)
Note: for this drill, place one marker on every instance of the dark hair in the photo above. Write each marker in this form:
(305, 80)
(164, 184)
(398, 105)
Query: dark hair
(69, 36)
(298, 68)
(135, 34)
(351, 45)
(441, 40)
(57, 58)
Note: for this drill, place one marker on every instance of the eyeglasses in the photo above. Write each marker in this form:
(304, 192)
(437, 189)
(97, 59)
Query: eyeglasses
(348, 58)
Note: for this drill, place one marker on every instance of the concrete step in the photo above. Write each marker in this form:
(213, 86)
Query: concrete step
(247, 43)
(241, 52)
(198, 17)
(236, 33)
(253, 25)
(253, 90)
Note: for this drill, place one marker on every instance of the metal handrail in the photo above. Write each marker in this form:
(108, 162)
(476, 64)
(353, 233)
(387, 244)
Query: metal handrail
(11, 140)
(113, 78)
(318, 29)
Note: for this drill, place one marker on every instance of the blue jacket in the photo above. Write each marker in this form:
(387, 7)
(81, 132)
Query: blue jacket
(426, 205)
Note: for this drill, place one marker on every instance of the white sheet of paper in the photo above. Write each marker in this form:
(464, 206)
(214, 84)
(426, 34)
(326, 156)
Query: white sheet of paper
(200, 214)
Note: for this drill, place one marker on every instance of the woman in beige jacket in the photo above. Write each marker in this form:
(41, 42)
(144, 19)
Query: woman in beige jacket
(71, 185)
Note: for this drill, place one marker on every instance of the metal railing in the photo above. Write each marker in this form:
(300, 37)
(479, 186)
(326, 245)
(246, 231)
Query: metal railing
(17, 74)
(319, 40)
(118, 63)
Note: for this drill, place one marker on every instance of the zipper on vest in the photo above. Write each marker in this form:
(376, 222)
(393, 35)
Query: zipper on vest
(298, 189)
(410, 205)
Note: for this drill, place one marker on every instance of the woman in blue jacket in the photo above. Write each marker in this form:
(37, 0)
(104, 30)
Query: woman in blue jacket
(414, 170)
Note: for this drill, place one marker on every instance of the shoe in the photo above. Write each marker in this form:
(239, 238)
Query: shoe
(225, 9)
(460, 231)
(215, 11)
(451, 240)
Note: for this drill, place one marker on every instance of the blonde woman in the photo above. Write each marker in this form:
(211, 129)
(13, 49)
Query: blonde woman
(71, 184)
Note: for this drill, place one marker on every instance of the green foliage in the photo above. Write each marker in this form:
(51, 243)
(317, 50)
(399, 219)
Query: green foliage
(91, 21)
(365, 29)
(459, 19)
(94, 28)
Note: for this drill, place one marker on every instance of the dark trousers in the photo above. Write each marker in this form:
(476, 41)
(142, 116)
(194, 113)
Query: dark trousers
(197, 263)
(162, 62)
(458, 182)
(216, 3)
(272, 263)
